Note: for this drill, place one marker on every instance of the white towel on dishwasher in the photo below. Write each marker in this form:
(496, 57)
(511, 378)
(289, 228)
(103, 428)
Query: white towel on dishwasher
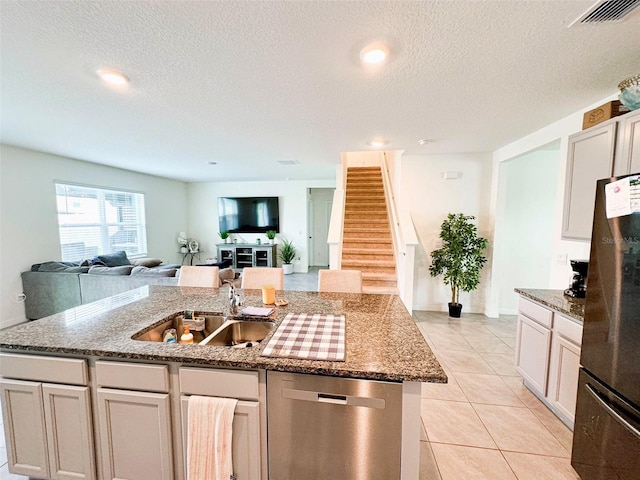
(209, 438)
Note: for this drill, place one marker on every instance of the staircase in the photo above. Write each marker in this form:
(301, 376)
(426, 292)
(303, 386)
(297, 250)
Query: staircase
(366, 238)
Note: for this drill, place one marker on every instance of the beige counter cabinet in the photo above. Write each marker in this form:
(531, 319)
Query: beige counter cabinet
(134, 421)
(48, 426)
(239, 384)
(548, 356)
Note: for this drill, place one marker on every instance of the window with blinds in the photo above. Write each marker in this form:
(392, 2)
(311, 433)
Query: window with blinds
(94, 221)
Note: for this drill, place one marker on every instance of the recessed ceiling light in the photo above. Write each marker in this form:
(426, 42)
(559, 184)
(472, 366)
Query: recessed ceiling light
(374, 53)
(377, 143)
(424, 141)
(112, 77)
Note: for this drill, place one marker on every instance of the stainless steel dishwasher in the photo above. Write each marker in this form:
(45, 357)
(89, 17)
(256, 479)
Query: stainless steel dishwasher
(328, 428)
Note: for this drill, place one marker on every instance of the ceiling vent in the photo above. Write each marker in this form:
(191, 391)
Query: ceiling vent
(288, 162)
(607, 11)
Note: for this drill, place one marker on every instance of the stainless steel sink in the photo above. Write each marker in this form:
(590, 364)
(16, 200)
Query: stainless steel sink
(213, 321)
(236, 332)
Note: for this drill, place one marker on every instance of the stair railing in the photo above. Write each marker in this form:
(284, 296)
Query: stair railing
(403, 236)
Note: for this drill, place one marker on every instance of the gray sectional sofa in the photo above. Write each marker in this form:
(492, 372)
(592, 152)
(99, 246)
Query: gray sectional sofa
(53, 287)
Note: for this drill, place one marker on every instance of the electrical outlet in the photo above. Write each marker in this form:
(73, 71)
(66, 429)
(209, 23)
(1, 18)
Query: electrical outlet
(561, 259)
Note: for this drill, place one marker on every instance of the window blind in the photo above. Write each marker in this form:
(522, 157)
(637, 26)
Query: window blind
(94, 221)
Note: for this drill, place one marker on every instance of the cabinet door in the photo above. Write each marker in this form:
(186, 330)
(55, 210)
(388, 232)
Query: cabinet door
(24, 428)
(135, 434)
(532, 353)
(246, 439)
(628, 152)
(590, 157)
(69, 433)
(563, 375)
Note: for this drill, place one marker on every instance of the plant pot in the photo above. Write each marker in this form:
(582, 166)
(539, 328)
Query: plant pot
(455, 309)
(287, 268)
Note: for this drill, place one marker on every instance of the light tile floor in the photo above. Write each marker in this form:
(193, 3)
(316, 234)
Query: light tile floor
(483, 424)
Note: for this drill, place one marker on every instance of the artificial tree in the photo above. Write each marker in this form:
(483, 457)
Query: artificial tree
(460, 259)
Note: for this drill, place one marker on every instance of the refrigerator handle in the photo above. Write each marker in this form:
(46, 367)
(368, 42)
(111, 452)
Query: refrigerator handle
(610, 410)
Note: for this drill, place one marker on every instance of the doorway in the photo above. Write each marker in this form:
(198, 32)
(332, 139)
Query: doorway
(320, 201)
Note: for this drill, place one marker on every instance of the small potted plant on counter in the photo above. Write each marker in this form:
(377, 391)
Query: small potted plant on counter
(287, 255)
(224, 235)
(460, 258)
(271, 234)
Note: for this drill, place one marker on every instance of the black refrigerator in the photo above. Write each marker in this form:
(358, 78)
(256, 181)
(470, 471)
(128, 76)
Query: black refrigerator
(606, 439)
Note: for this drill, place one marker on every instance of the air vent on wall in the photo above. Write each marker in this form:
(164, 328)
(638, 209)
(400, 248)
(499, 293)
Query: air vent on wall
(288, 162)
(607, 11)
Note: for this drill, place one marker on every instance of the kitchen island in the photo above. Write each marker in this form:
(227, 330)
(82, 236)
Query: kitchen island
(383, 344)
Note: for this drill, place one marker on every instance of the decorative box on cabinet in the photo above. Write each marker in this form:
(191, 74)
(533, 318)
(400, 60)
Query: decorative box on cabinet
(48, 427)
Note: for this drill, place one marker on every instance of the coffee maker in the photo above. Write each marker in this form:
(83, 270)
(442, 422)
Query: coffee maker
(578, 285)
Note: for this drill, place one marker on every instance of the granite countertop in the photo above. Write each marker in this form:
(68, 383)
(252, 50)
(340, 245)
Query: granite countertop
(382, 340)
(556, 300)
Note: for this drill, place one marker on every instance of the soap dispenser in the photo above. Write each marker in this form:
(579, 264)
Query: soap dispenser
(187, 336)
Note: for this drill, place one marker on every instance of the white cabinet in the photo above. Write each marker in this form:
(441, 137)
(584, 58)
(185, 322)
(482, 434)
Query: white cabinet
(628, 151)
(533, 344)
(589, 158)
(245, 442)
(48, 426)
(611, 148)
(135, 434)
(548, 357)
(135, 426)
(565, 366)
(248, 440)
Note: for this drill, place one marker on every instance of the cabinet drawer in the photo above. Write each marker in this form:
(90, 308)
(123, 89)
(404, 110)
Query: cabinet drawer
(536, 312)
(71, 371)
(239, 384)
(132, 376)
(569, 329)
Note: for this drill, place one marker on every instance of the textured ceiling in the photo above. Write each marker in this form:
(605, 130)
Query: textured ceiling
(248, 84)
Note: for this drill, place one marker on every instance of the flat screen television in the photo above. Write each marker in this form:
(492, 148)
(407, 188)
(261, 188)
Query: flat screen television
(248, 214)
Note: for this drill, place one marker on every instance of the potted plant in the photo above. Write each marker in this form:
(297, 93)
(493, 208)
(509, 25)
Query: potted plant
(271, 234)
(183, 241)
(460, 258)
(287, 255)
(224, 235)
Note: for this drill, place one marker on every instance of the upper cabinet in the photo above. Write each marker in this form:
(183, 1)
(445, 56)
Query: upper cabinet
(611, 148)
(628, 152)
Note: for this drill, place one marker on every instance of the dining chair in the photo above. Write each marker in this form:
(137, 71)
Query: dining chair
(194, 276)
(345, 281)
(255, 278)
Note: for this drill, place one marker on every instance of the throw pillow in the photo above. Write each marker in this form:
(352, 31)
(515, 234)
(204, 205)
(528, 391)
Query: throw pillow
(146, 262)
(226, 274)
(119, 270)
(114, 259)
(153, 272)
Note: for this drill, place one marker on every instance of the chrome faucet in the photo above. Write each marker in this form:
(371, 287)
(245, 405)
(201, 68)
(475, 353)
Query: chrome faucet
(234, 299)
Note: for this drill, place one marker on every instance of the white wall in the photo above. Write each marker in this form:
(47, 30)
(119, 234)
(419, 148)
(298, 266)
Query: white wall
(203, 212)
(523, 236)
(29, 224)
(430, 198)
(559, 271)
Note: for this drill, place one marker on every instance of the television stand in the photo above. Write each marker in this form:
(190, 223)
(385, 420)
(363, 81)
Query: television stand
(244, 255)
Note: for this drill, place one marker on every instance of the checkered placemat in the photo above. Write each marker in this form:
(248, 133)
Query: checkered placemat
(308, 336)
